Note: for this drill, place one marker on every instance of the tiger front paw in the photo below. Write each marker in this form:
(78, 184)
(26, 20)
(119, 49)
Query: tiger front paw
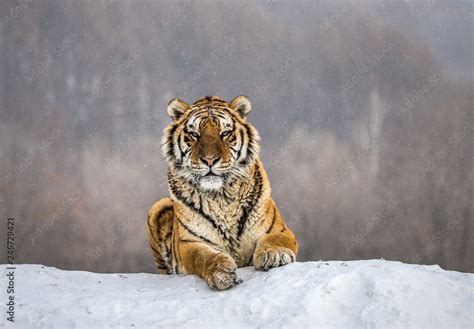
(272, 257)
(220, 273)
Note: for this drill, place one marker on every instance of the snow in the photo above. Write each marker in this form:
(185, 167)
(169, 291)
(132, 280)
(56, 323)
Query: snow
(369, 294)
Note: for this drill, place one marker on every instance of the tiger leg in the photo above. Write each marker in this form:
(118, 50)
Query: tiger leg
(216, 267)
(277, 247)
(160, 228)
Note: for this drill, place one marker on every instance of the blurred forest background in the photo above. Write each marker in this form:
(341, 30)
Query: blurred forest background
(365, 109)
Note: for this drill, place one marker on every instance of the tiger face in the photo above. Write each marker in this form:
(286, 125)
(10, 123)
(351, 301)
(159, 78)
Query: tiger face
(210, 142)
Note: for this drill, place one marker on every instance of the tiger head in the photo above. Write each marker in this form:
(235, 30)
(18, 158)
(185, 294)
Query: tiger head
(210, 142)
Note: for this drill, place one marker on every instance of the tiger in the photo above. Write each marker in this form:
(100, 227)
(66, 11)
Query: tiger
(220, 214)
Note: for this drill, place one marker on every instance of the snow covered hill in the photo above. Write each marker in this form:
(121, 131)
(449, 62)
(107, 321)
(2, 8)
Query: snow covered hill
(368, 294)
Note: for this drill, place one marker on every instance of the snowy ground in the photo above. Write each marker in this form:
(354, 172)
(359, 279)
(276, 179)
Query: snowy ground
(368, 294)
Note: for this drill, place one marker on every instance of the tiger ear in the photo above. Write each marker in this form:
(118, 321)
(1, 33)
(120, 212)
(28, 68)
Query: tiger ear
(241, 105)
(176, 108)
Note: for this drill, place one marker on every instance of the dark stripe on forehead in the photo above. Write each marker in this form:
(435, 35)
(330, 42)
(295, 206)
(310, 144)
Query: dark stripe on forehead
(220, 110)
(199, 107)
(221, 105)
(198, 111)
(200, 104)
(196, 115)
(221, 115)
(208, 120)
(216, 114)
(226, 120)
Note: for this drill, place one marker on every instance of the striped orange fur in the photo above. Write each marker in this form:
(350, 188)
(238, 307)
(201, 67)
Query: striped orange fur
(220, 215)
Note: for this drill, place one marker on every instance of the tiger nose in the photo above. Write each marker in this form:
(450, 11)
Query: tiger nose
(210, 160)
